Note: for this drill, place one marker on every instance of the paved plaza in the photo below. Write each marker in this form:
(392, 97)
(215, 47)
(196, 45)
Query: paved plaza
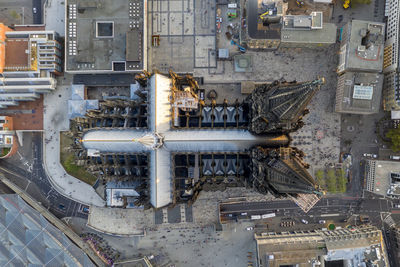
(187, 34)
(120, 222)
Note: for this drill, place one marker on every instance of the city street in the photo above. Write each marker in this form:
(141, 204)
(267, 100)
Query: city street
(26, 170)
(37, 11)
(340, 207)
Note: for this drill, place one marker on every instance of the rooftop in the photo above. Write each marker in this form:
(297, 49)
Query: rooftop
(381, 178)
(361, 92)
(325, 34)
(308, 248)
(160, 137)
(362, 47)
(21, 47)
(303, 22)
(105, 35)
(28, 115)
(17, 53)
(271, 27)
(78, 105)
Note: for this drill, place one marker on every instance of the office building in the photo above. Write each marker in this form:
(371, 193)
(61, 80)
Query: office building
(307, 31)
(358, 246)
(391, 87)
(105, 36)
(359, 87)
(359, 93)
(382, 177)
(361, 48)
(7, 146)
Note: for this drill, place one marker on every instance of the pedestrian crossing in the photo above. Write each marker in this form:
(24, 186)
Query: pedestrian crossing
(181, 213)
(389, 221)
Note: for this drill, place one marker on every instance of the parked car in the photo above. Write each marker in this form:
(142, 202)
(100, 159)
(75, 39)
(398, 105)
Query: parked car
(287, 223)
(61, 206)
(368, 155)
(322, 221)
(304, 221)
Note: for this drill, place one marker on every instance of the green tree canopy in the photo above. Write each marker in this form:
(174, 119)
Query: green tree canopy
(394, 136)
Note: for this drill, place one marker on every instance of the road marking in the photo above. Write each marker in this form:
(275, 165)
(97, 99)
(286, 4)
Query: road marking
(332, 207)
(330, 215)
(29, 182)
(20, 155)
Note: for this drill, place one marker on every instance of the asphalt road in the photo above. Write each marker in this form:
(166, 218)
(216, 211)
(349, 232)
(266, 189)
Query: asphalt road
(326, 207)
(26, 170)
(37, 17)
(332, 208)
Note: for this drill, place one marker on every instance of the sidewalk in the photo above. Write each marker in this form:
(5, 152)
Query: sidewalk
(55, 120)
(120, 222)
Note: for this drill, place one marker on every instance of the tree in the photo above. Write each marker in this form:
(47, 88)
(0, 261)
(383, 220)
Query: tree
(331, 181)
(14, 14)
(394, 136)
(347, 142)
(319, 175)
(341, 181)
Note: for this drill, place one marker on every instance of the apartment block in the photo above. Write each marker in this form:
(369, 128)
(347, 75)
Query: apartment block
(30, 57)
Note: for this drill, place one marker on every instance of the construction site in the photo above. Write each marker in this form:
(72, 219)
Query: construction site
(170, 140)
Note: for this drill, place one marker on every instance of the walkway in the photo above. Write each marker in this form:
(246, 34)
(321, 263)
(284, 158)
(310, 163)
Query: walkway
(54, 15)
(55, 120)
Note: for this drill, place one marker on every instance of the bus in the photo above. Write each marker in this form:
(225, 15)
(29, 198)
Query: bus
(268, 215)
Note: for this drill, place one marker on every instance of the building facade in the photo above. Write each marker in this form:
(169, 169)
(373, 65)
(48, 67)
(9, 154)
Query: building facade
(391, 87)
(29, 60)
(382, 177)
(361, 246)
(359, 87)
(7, 146)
